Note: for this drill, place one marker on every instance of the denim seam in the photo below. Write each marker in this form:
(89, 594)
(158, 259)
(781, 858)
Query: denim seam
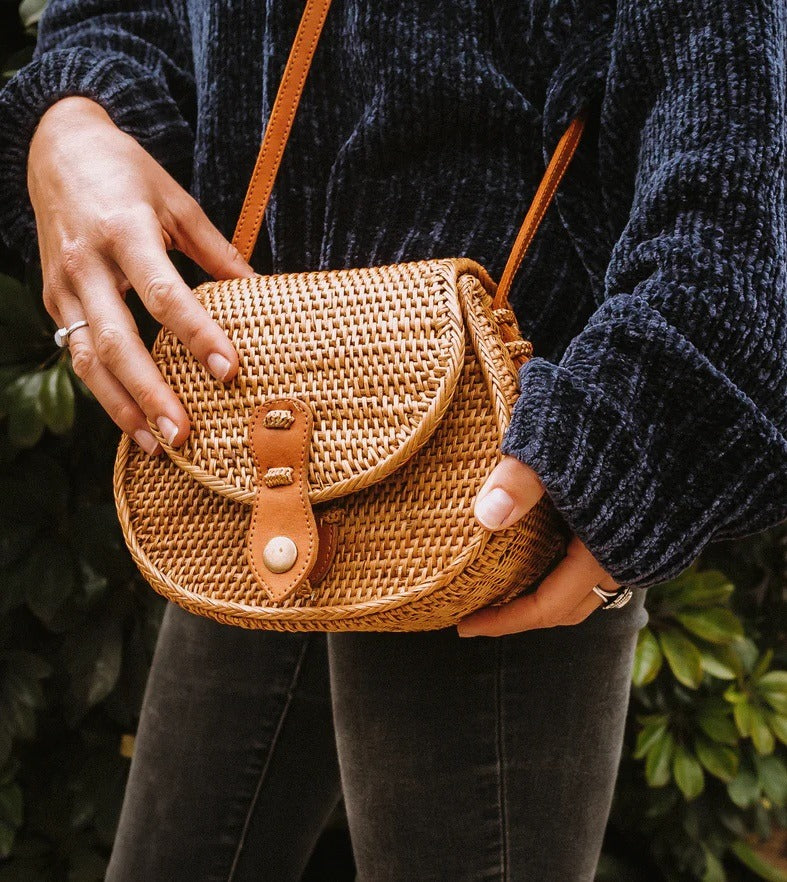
(499, 736)
(266, 765)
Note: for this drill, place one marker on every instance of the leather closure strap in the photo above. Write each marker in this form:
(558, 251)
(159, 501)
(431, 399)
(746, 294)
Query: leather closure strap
(283, 541)
(328, 534)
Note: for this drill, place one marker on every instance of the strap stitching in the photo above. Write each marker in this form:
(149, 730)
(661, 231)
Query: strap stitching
(249, 238)
(568, 146)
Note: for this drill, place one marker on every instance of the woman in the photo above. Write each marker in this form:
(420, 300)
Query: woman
(654, 415)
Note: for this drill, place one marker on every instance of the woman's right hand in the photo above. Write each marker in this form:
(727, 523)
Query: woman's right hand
(106, 215)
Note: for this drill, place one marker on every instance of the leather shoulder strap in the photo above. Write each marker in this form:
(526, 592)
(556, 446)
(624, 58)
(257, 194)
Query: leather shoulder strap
(278, 129)
(280, 121)
(547, 188)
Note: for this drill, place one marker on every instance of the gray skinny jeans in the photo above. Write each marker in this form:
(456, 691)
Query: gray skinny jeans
(459, 758)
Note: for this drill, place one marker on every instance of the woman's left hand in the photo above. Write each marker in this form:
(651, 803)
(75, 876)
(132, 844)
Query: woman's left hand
(566, 595)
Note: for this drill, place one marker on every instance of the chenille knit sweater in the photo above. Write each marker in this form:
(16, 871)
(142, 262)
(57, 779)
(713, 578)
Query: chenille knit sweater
(655, 292)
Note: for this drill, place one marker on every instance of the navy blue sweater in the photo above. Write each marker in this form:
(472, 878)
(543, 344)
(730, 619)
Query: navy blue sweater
(655, 290)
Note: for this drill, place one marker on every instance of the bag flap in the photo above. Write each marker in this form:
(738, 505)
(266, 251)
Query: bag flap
(375, 353)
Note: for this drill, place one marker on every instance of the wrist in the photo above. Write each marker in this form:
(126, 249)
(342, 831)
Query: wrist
(66, 119)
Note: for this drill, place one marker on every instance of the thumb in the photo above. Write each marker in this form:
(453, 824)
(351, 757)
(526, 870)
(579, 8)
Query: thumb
(193, 234)
(507, 495)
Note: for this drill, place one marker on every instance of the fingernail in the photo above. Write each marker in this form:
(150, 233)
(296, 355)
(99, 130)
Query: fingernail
(167, 428)
(218, 365)
(492, 509)
(466, 631)
(146, 440)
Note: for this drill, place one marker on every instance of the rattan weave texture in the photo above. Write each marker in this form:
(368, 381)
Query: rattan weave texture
(410, 387)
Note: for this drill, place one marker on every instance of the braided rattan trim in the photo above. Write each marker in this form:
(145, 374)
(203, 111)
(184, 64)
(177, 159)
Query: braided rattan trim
(279, 419)
(520, 348)
(280, 476)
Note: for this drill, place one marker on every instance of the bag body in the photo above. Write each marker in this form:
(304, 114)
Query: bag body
(410, 387)
(330, 485)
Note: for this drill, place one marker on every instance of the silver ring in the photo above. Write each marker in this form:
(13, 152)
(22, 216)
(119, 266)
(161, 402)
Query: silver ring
(62, 334)
(613, 599)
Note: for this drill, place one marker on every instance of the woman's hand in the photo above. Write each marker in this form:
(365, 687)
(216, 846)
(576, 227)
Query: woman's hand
(106, 215)
(566, 595)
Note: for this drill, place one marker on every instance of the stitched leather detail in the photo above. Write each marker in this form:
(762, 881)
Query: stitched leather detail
(279, 124)
(282, 510)
(329, 535)
(555, 170)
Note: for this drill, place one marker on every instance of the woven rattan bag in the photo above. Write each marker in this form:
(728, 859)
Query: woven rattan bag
(330, 485)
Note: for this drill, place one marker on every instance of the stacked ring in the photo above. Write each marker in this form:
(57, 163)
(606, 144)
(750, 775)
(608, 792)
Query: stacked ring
(62, 334)
(613, 599)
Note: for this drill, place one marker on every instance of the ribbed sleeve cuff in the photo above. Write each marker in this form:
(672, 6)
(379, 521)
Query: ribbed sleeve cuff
(646, 487)
(135, 98)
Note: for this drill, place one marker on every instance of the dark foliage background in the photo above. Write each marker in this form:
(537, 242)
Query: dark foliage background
(703, 782)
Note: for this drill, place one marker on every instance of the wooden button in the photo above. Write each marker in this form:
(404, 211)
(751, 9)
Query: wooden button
(279, 554)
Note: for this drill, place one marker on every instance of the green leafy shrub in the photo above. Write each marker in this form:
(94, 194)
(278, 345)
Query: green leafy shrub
(702, 776)
(705, 764)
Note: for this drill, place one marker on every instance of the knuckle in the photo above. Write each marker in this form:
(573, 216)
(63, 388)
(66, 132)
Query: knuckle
(73, 257)
(231, 252)
(188, 214)
(124, 414)
(109, 342)
(111, 226)
(50, 296)
(148, 397)
(83, 359)
(199, 336)
(158, 295)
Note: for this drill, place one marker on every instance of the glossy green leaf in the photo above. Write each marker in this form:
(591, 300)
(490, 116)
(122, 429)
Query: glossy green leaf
(57, 399)
(721, 661)
(682, 656)
(761, 734)
(747, 649)
(716, 625)
(658, 763)
(773, 688)
(714, 717)
(718, 759)
(756, 863)
(773, 777)
(23, 689)
(647, 658)
(30, 11)
(651, 732)
(744, 789)
(688, 773)
(714, 870)
(778, 724)
(25, 420)
(762, 665)
(743, 712)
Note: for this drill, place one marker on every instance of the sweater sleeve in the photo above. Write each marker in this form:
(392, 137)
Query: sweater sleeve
(132, 57)
(663, 425)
